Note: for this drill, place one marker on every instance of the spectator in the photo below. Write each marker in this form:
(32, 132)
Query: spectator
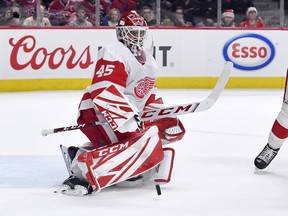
(167, 19)
(192, 9)
(61, 5)
(252, 19)
(167, 5)
(285, 14)
(68, 5)
(27, 7)
(91, 10)
(148, 14)
(150, 3)
(192, 5)
(228, 19)
(227, 4)
(62, 18)
(124, 5)
(80, 19)
(112, 18)
(17, 15)
(46, 3)
(32, 20)
(208, 13)
(243, 5)
(16, 8)
(7, 16)
(6, 11)
(167, 22)
(240, 7)
(180, 19)
(61, 12)
(6, 3)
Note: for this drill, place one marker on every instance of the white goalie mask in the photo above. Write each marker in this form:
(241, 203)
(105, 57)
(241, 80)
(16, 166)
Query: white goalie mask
(131, 30)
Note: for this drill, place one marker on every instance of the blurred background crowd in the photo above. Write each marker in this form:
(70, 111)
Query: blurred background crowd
(186, 13)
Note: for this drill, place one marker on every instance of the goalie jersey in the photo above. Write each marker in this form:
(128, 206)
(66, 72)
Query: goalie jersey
(116, 65)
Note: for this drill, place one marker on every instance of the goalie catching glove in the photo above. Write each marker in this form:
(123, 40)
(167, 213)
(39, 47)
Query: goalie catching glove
(170, 129)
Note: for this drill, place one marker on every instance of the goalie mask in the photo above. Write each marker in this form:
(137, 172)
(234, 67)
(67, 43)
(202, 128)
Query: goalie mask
(131, 30)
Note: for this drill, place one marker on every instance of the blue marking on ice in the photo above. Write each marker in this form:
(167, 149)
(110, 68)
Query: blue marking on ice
(32, 171)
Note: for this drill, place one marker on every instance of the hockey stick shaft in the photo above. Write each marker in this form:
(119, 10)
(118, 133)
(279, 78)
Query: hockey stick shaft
(171, 111)
(45, 132)
(206, 104)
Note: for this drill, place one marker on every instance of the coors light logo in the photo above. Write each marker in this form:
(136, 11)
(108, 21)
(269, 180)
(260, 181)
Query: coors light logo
(35, 57)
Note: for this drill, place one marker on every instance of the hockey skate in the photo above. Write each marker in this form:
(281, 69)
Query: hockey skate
(68, 155)
(265, 157)
(75, 186)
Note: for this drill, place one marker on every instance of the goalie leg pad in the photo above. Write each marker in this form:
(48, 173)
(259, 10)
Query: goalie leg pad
(124, 160)
(163, 171)
(161, 174)
(133, 182)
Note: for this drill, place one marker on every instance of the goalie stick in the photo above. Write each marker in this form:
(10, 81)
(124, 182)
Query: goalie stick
(206, 104)
(45, 132)
(170, 111)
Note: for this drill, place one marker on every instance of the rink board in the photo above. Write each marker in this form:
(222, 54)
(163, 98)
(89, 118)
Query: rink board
(32, 60)
(161, 83)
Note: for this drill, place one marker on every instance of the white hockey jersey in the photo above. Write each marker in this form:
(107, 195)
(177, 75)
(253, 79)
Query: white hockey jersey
(118, 66)
(134, 79)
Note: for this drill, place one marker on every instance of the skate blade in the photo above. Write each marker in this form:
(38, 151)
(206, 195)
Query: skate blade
(78, 190)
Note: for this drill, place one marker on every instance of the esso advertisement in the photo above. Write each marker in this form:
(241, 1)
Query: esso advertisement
(249, 51)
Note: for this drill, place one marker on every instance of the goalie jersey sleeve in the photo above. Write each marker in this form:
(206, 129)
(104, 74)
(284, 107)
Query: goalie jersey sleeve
(116, 66)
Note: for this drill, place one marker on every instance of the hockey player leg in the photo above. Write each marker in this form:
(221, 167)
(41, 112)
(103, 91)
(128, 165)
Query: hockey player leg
(277, 135)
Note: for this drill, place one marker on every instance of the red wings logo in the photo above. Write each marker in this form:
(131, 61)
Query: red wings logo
(144, 86)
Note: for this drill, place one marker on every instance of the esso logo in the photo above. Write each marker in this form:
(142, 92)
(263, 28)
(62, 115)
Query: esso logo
(249, 51)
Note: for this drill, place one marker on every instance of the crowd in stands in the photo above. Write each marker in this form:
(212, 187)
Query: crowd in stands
(197, 13)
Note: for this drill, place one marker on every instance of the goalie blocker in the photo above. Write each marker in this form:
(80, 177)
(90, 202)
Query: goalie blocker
(140, 158)
(123, 116)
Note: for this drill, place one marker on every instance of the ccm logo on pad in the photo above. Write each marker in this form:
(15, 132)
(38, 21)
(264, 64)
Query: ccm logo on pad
(249, 51)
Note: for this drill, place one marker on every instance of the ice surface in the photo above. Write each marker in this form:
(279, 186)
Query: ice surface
(213, 173)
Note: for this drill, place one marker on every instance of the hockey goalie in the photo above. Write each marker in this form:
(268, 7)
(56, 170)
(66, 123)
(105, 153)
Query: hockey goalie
(125, 151)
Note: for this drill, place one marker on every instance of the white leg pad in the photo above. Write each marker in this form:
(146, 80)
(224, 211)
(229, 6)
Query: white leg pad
(121, 161)
(163, 171)
(160, 174)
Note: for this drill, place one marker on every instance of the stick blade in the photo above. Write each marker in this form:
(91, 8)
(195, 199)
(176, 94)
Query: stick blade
(222, 81)
(219, 87)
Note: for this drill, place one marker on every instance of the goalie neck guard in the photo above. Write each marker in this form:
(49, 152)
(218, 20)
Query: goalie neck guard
(131, 30)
